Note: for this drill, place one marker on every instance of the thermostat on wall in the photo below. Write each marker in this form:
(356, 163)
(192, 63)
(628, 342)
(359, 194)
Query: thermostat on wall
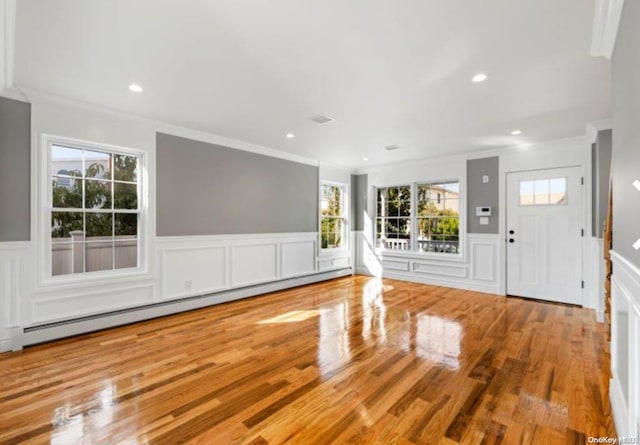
(483, 211)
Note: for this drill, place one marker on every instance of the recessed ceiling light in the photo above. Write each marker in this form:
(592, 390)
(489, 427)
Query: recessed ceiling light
(290, 135)
(480, 77)
(516, 132)
(365, 159)
(135, 88)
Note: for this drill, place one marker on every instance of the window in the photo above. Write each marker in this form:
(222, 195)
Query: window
(393, 222)
(543, 192)
(94, 211)
(333, 221)
(431, 217)
(438, 217)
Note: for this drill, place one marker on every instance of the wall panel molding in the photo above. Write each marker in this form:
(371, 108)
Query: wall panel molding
(606, 21)
(14, 261)
(624, 388)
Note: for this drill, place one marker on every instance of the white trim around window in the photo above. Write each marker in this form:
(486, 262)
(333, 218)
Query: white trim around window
(43, 175)
(343, 216)
(413, 251)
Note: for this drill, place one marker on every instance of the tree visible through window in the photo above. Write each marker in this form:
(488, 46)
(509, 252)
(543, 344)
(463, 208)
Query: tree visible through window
(332, 224)
(94, 210)
(435, 211)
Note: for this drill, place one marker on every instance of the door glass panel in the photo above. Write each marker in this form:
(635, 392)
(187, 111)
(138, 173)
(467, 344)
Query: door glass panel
(526, 193)
(541, 192)
(558, 191)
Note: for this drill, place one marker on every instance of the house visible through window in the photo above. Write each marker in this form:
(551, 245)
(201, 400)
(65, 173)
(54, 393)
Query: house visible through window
(95, 210)
(333, 222)
(431, 217)
(393, 222)
(438, 219)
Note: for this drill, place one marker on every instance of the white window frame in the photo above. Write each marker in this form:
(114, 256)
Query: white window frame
(44, 205)
(413, 252)
(345, 216)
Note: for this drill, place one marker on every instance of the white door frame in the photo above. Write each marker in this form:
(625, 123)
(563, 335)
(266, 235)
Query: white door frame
(573, 152)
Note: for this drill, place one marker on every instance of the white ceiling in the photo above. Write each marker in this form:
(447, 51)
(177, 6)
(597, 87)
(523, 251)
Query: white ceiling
(390, 72)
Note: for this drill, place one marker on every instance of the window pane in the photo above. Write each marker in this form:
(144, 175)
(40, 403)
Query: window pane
(64, 223)
(404, 193)
(99, 255)
(66, 161)
(97, 164)
(541, 190)
(392, 208)
(125, 196)
(97, 194)
(66, 192)
(392, 194)
(99, 225)
(125, 168)
(391, 227)
(126, 254)
(526, 193)
(66, 258)
(558, 191)
(451, 207)
(126, 224)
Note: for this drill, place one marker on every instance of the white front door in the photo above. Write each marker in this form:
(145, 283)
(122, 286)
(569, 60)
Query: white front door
(544, 234)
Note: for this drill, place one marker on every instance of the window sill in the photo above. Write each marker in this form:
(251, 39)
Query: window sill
(448, 257)
(101, 278)
(338, 251)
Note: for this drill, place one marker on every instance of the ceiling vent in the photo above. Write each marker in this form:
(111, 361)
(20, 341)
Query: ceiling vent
(391, 147)
(322, 119)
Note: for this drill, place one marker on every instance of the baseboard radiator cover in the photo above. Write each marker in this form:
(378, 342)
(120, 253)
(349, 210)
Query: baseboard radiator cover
(52, 331)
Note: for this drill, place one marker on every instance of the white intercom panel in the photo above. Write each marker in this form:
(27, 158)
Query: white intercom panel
(483, 211)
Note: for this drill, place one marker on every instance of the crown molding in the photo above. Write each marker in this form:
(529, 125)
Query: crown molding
(606, 20)
(7, 42)
(41, 98)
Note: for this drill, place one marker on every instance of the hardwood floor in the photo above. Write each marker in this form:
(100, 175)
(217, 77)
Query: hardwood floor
(353, 360)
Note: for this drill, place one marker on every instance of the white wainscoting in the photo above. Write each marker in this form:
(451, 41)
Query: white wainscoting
(198, 265)
(14, 268)
(476, 269)
(624, 389)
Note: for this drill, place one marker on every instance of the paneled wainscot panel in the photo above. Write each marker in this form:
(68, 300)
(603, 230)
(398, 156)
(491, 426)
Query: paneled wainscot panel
(449, 270)
(193, 269)
(624, 389)
(254, 263)
(298, 258)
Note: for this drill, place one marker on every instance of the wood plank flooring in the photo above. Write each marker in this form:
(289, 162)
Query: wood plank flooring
(350, 361)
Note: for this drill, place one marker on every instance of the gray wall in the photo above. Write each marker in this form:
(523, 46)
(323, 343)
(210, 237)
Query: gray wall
(15, 170)
(359, 200)
(480, 194)
(206, 189)
(601, 158)
(626, 134)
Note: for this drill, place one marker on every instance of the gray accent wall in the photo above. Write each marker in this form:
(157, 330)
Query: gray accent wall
(207, 189)
(360, 200)
(601, 169)
(15, 170)
(626, 134)
(480, 194)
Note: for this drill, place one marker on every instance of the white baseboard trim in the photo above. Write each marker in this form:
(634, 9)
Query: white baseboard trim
(54, 331)
(454, 284)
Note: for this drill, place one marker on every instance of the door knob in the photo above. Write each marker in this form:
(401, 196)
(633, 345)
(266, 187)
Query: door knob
(511, 232)
(511, 240)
